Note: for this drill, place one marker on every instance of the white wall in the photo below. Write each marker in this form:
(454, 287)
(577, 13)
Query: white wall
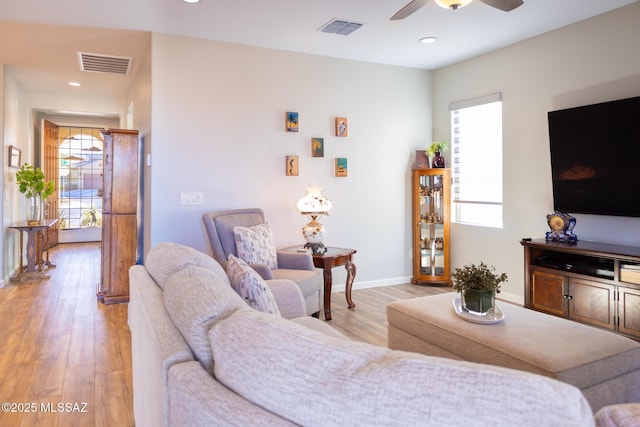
(140, 103)
(593, 61)
(15, 129)
(218, 114)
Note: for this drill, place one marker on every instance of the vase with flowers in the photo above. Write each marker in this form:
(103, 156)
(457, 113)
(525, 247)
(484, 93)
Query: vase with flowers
(33, 184)
(435, 151)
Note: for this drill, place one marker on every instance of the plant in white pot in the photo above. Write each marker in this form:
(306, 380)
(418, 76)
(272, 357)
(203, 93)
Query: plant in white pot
(478, 286)
(32, 183)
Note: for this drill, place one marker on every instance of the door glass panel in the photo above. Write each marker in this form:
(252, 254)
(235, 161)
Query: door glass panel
(80, 178)
(432, 261)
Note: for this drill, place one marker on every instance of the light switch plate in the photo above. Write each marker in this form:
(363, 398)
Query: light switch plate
(191, 198)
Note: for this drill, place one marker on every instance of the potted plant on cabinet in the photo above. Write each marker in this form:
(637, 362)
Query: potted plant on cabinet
(434, 151)
(478, 286)
(31, 182)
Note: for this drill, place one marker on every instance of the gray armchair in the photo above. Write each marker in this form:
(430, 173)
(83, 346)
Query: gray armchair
(297, 267)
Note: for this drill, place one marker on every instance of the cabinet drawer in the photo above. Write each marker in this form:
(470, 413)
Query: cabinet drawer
(547, 292)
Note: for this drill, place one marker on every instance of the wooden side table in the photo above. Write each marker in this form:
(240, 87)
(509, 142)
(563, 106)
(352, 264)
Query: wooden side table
(335, 257)
(37, 243)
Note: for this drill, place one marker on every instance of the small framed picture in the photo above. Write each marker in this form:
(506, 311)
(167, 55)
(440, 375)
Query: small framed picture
(317, 147)
(292, 121)
(422, 160)
(14, 157)
(342, 129)
(341, 166)
(292, 165)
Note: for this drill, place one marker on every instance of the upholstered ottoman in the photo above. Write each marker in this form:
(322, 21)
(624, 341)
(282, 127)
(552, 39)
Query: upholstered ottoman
(604, 365)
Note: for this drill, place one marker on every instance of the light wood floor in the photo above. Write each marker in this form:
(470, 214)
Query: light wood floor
(60, 346)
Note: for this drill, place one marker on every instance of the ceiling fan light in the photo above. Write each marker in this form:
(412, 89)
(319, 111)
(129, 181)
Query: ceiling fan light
(452, 4)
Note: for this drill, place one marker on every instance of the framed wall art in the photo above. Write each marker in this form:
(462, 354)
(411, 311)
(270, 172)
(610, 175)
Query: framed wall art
(292, 165)
(292, 121)
(342, 128)
(15, 156)
(317, 147)
(341, 166)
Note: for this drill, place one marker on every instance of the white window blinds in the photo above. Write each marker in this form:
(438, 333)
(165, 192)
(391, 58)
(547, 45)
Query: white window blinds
(476, 134)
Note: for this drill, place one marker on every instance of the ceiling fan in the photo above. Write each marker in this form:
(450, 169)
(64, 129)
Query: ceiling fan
(504, 5)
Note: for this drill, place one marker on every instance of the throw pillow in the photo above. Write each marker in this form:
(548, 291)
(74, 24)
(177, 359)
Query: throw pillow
(251, 286)
(255, 244)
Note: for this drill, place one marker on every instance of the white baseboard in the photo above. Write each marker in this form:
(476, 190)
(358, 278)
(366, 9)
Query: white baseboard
(509, 297)
(339, 287)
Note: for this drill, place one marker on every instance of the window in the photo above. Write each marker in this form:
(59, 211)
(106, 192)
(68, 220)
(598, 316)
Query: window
(476, 134)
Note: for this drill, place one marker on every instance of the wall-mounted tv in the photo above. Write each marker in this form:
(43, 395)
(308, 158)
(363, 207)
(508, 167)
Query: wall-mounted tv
(595, 158)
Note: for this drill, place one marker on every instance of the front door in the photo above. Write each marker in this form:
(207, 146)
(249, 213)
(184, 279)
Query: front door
(51, 171)
(72, 156)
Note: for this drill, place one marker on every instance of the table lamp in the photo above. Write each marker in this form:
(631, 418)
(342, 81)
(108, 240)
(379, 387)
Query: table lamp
(314, 204)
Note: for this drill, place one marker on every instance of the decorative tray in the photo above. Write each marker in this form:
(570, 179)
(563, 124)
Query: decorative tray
(495, 316)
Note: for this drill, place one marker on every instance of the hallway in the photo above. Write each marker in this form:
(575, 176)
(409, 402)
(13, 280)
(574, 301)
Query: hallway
(65, 358)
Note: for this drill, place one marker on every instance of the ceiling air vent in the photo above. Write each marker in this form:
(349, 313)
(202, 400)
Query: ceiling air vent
(340, 26)
(98, 63)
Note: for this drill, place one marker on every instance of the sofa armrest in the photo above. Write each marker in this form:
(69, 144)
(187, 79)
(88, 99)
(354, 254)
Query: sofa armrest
(262, 270)
(620, 415)
(289, 298)
(156, 344)
(295, 260)
(197, 399)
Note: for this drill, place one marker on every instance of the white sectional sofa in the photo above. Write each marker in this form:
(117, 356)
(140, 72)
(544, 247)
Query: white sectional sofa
(201, 356)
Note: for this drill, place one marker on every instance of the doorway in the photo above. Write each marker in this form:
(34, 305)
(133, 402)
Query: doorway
(79, 184)
(73, 158)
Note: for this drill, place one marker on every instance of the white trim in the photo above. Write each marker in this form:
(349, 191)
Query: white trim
(480, 100)
(372, 284)
(512, 298)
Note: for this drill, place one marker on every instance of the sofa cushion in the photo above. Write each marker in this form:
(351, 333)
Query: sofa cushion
(255, 244)
(251, 286)
(166, 259)
(313, 379)
(196, 298)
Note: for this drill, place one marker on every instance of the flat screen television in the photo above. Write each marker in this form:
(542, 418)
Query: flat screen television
(595, 158)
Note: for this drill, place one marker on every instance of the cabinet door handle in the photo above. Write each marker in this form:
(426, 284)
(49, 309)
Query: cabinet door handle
(567, 297)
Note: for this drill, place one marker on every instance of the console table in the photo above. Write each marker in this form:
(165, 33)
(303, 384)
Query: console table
(333, 257)
(589, 282)
(37, 243)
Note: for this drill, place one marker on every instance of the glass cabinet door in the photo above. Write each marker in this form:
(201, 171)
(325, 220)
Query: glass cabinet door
(431, 234)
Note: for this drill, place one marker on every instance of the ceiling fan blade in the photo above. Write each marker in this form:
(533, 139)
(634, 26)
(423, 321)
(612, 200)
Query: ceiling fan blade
(504, 5)
(409, 9)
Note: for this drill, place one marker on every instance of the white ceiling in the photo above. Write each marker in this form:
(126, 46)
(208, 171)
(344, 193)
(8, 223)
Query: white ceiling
(40, 38)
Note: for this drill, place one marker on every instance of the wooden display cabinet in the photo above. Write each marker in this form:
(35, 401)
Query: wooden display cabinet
(593, 283)
(120, 203)
(431, 198)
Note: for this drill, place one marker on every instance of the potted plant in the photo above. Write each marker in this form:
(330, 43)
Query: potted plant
(31, 182)
(435, 151)
(478, 286)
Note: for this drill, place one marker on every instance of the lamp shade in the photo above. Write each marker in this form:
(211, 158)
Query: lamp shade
(314, 203)
(453, 4)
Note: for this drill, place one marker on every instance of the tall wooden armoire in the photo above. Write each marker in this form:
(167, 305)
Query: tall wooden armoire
(120, 210)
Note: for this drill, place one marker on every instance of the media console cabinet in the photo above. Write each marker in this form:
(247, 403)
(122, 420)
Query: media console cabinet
(589, 282)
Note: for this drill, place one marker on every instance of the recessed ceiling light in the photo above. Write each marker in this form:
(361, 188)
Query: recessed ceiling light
(191, 1)
(75, 84)
(428, 40)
